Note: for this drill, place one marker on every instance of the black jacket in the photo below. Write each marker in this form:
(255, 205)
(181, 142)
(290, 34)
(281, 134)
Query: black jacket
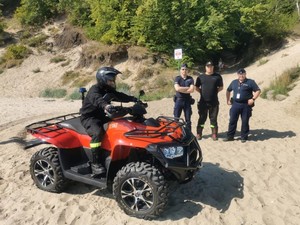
(94, 104)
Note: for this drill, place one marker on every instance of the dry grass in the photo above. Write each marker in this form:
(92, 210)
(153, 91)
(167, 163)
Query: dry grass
(284, 83)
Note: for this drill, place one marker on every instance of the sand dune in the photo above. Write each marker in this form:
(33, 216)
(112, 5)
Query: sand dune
(250, 183)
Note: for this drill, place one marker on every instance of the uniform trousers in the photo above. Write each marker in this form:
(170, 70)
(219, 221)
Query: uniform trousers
(183, 104)
(237, 110)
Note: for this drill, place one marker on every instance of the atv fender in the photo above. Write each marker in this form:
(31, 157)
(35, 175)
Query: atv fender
(65, 140)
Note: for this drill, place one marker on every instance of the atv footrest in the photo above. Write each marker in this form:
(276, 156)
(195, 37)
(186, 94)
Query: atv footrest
(86, 178)
(82, 169)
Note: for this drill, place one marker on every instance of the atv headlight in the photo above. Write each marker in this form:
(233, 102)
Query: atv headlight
(172, 152)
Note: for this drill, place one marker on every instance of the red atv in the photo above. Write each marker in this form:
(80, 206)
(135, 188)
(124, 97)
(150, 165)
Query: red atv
(142, 155)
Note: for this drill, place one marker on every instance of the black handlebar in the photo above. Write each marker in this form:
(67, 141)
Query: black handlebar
(137, 110)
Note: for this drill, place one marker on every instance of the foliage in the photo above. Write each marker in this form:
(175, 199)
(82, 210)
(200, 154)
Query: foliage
(75, 95)
(2, 26)
(53, 93)
(36, 12)
(58, 59)
(283, 84)
(16, 52)
(78, 11)
(37, 40)
(201, 28)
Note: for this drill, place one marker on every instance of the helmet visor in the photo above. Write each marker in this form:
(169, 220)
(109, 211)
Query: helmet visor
(111, 80)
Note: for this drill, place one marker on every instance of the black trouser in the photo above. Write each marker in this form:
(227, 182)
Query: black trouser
(94, 128)
(183, 104)
(236, 110)
(205, 108)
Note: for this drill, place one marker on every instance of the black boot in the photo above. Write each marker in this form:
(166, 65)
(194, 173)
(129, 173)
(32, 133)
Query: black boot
(96, 166)
(214, 133)
(199, 132)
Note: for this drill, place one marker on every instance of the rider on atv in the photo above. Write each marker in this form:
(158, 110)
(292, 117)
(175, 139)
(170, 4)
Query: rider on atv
(95, 108)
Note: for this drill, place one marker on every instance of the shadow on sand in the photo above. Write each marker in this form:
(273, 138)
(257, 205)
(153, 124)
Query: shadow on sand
(213, 186)
(259, 135)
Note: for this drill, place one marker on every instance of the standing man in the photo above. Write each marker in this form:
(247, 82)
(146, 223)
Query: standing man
(208, 85)
(245, 92)
(184, 86)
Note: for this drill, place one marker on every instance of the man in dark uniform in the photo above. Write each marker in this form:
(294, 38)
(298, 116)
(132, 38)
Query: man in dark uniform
(208, 85)
(245, 92)
(184, 86)
(94, 109)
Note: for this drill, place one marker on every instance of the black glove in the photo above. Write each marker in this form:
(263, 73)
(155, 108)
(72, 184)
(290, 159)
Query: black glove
(109, 109)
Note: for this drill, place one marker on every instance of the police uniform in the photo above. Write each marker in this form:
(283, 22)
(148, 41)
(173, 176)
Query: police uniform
(183, 100)
(242, 92)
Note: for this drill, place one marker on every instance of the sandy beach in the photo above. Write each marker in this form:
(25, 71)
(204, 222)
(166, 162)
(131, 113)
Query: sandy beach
(252, 183)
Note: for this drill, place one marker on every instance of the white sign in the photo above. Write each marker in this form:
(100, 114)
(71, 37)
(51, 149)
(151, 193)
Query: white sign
(178, 53)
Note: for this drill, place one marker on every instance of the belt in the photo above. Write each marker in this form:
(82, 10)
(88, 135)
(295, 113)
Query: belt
(241, 102)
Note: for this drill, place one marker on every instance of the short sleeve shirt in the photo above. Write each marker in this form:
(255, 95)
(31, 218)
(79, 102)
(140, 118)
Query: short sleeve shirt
(209, 85)
(183, 83)
(243, 91)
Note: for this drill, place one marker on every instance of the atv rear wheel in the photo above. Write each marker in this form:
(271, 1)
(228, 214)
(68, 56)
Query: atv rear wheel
(46, 171)
(141, 190)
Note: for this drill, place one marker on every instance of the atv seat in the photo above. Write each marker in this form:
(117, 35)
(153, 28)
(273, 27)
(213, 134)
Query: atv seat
(74, 124)
(152, 122)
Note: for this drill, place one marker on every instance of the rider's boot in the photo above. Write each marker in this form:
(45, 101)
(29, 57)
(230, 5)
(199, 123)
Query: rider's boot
(96, 166)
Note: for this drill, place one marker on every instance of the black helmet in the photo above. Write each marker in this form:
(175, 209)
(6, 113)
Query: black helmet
(106, 74)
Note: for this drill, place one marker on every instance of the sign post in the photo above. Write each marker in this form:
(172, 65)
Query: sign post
(178, 55)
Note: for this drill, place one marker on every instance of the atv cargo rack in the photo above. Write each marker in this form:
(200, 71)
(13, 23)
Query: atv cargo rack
(171, 124)
(49, 125)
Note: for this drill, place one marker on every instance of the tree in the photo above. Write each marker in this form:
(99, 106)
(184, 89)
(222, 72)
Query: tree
(36, 12)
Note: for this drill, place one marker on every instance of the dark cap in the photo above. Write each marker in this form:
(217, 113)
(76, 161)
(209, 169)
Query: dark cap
(184, 65)
(209, 63)
(241, 71)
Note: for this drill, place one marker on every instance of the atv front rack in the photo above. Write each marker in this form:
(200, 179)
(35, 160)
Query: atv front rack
(170, 125)
(49, 125)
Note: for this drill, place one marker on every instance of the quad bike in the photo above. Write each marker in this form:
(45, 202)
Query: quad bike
(141, 157)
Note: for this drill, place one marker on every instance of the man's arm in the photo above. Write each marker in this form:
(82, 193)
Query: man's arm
(228, 98)
(181, 89)
(191, 89)
(256, 94)
(198, 89)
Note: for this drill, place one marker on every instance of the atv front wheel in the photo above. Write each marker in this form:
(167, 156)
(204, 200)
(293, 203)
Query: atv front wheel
(46, 171)
(141, 190)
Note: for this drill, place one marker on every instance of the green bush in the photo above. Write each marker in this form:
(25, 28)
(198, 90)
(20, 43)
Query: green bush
(16, 52)
(37, 40)
(75, 95)
(53, 93)
(58, 59)
(36, 12)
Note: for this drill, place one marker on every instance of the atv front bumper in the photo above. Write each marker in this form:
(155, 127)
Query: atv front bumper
(183, 165)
